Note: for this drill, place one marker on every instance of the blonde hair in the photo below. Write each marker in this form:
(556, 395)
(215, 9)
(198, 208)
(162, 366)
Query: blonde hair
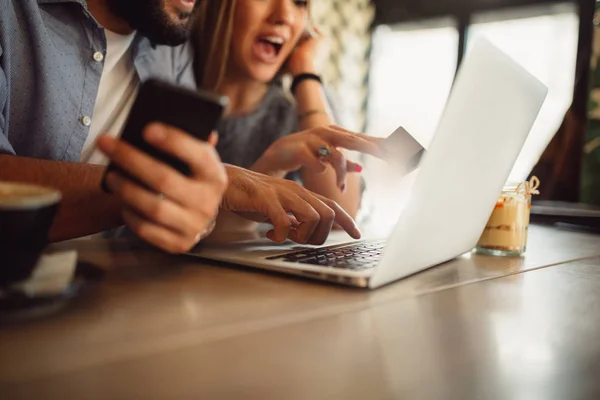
(211, 38)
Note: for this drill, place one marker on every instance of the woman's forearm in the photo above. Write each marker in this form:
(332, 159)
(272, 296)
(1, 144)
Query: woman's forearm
(313, 112)
(311, 105)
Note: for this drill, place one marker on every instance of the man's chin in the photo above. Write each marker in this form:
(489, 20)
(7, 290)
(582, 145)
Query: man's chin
(150, 18)
(168, 33)
(183, 6)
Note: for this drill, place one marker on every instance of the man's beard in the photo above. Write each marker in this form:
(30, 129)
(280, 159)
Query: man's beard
(149, 18)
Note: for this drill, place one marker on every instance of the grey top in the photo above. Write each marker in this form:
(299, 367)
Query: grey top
(243, 139)
(49, 77)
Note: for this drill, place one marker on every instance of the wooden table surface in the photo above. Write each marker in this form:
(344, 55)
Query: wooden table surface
(174, 327)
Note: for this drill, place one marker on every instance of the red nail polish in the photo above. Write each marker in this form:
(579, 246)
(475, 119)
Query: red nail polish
(358, 168)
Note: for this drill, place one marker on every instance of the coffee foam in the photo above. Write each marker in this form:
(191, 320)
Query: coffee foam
(21, 196)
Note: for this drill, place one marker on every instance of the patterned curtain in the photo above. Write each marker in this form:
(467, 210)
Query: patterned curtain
(344, 58)
(590, 179)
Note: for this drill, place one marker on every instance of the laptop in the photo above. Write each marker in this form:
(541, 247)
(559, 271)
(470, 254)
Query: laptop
(489, 113)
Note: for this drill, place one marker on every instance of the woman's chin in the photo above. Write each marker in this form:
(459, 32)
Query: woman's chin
(264, 76)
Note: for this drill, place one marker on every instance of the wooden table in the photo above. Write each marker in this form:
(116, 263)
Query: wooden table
(171, 327)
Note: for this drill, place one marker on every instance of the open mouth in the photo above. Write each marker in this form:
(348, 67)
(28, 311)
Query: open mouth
(269, 47)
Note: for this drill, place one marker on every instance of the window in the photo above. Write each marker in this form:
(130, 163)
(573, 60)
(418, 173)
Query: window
(543, 40)
(412, 69)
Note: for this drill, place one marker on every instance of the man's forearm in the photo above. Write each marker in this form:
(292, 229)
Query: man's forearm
(85, 209)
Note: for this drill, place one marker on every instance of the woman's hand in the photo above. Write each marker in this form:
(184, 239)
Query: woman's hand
(295, 212)
(314, 149)
(302, 59)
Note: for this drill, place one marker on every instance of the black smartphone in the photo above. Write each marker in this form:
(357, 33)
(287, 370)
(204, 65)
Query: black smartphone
(194, 112)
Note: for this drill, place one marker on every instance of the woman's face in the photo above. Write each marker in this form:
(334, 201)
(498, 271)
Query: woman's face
(265, 33)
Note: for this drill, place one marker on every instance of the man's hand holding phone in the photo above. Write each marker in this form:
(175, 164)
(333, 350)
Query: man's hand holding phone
(168, 209)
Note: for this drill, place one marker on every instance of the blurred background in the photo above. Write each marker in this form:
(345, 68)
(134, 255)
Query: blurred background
(391, 63)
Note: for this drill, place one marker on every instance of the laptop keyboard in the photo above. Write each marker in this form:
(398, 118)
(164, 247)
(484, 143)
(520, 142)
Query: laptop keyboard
(356, 257)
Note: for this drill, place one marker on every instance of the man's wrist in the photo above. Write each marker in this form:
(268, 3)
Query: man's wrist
(210, 227)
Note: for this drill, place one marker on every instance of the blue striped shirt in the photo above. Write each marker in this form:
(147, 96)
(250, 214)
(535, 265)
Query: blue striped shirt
(49, 76)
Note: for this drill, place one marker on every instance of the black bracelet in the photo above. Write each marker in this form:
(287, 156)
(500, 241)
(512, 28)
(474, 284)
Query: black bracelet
(303, 77)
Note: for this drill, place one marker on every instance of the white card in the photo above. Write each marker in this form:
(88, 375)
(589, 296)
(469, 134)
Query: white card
(403, 151)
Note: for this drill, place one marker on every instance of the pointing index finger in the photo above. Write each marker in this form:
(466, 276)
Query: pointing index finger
(350, 140)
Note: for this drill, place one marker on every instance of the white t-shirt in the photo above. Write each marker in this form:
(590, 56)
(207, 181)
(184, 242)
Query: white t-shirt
(118, 86)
